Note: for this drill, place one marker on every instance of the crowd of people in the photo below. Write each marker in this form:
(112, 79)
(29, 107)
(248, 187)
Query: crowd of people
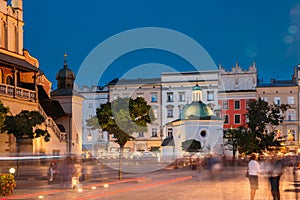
(69, 170)
(66, 171)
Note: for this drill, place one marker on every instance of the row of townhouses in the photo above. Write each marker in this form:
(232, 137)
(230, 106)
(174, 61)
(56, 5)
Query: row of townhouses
(172, 96)
(225, 92)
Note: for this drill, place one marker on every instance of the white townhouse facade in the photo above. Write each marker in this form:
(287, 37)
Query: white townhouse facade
(150, 90)
(95, 142)
(176, 93)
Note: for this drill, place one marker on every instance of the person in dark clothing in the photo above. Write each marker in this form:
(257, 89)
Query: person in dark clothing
(275, 173)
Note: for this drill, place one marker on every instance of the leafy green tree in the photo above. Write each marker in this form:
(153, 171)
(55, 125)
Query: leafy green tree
(93, 123)
(246, 141)
(24, 126)
(123, 117)
(3, 113)
(231, 141)
(261, 116)
(191, 146)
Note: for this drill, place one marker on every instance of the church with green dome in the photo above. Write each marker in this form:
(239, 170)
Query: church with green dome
(197, 122)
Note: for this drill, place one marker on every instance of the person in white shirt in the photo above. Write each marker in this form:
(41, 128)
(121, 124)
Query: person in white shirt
(253, 170)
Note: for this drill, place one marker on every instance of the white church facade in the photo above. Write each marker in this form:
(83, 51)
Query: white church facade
(196, 122)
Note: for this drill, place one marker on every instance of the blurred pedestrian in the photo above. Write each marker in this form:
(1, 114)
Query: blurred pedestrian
(52, 170)
(67, 171)
(253, 170)
(275, 172)
(209, 163)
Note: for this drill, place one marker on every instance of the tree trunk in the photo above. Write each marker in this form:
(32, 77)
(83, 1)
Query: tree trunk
(233, 155)
(120, 162)
(23, 145)
(18, 155)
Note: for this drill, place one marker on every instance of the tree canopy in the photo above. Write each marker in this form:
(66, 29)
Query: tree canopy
(24, 125)
(262, 116)
(124, 116)
(191, 146)
(3, 113)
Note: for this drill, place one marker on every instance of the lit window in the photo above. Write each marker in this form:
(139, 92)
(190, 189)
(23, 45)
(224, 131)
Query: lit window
(170, 132)
(291, 100)
(170, 112)
(225, 105)
(277, 133)
(264, 99)
(90, 137)
(291, 115)
(277, 100)
(291, 135)
(181, 96)
(170, 97)
(155, 113)
(154, 132)
(100, 135)
(210, 96)
(141, 134)
(153, 97)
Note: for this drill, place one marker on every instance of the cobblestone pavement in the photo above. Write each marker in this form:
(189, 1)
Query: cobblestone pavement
(228, 183)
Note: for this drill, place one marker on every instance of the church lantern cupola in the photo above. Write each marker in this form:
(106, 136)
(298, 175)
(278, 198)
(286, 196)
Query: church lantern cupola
(65, 76)
(196, 93)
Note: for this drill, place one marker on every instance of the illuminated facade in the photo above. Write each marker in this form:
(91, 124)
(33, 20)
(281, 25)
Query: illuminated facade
(150, 90)
(284, 92)
(23, 86)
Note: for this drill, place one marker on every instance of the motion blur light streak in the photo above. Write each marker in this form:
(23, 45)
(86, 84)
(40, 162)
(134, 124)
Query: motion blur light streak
(42, 194)
(114, 182)
(136, 188)
(49, 192)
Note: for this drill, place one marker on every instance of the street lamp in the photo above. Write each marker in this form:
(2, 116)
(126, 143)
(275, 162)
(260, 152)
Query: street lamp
(12, 170)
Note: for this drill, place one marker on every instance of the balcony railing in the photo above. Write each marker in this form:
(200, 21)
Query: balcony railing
(20, 92)
(62, 136)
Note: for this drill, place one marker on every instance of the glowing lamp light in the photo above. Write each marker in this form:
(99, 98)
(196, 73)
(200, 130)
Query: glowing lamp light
(93, 188)
(105, 185)
(40, 197)
(80, 190)
(12, 170)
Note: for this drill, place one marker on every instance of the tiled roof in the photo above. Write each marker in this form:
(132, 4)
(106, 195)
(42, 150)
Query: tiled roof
(6, 59)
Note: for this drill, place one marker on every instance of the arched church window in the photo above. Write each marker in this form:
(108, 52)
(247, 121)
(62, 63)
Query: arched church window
(9, 80)
(3, 35)
(1, 76)
(170, 132)
(16, 39)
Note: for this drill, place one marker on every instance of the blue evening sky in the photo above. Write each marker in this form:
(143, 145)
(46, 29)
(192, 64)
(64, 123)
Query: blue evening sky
(267, 32)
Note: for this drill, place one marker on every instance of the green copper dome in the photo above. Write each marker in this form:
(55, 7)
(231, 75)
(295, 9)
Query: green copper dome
(196, 110)
(196, 87)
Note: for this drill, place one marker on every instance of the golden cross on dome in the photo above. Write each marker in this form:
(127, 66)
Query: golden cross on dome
(65, 60)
